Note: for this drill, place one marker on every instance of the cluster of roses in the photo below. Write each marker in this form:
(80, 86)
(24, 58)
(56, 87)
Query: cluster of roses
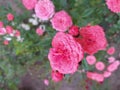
(7, 32)
(71, 42)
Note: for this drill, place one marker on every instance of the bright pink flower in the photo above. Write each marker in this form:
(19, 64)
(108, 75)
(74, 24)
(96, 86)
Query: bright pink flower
(92, 39)
(95, 76)
(56, 76)
(107, 74)
(99, 77)
(29, 4)
(100, 66)
(74, 30)
(2, 31)
(10, 17)
(113, 66)
(61, 21)
(1, 24)
(44, 9)
(9, 29)
(6, 42)
(113, 5)
(17, 33)
(111, 51)
(39, 31)
(65, 54)
(111, 59)
(46, 82)
(91, 59)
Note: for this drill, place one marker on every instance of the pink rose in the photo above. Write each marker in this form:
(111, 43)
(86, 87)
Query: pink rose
(1, 24)
(113, 5)
(61, 21)
(9, 29)
(95, 76)
(92, 39)
(44, 9)
(17, 33)
(65, 54)
(10, 17)
(46, 82)
(100, 66)
(74, 30)
(107, 74)
(2, 31)
(113, 66)
(6, 42)
(111, 59)
(29, 4)
(111, 51)
(56, 76)
(91, 59)
(39, 31)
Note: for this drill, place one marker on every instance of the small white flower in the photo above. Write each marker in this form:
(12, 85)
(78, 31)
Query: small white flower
(19, 39)
(8, 38)
(35, 22)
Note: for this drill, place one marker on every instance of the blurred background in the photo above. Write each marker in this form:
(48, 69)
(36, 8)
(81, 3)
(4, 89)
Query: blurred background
(24, 65)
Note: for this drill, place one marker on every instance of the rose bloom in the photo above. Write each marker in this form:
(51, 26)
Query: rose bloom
(111, 51)
(95, 76)
(113, 66)
(46, 82)
(6, 42)
(39, 31)
(107, 74)
(29, 4)
(92, 39)
(2, 31)
(91, 59)
(61, 21)
(111, 59)
(65, 54)
(44, 9)
(56, 76)
(10, 17)
(17, 33)
(74, 30)
(9, 29)
(100, 66)
(1, 24)
(113, 5)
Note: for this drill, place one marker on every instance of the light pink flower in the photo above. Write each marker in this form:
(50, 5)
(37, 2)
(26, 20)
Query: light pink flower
(111, 59)
(44, 9)
(74, 30)
(111, 51)
(91, 59)
(61, 21)
(113, 66)
(100, 66)
(10, 17)
(9, 29)
(1, 24)
(6, 42)
(17, 33)
(46, 82)
(99, 77)
(2, 31)
(113, 5)
(107, 74)
(39, 31)
(92, 39)
(56, 76)
(29, 4)
(65, 54)
(95, 76)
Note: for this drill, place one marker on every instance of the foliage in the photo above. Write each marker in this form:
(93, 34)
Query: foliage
(18, 57)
